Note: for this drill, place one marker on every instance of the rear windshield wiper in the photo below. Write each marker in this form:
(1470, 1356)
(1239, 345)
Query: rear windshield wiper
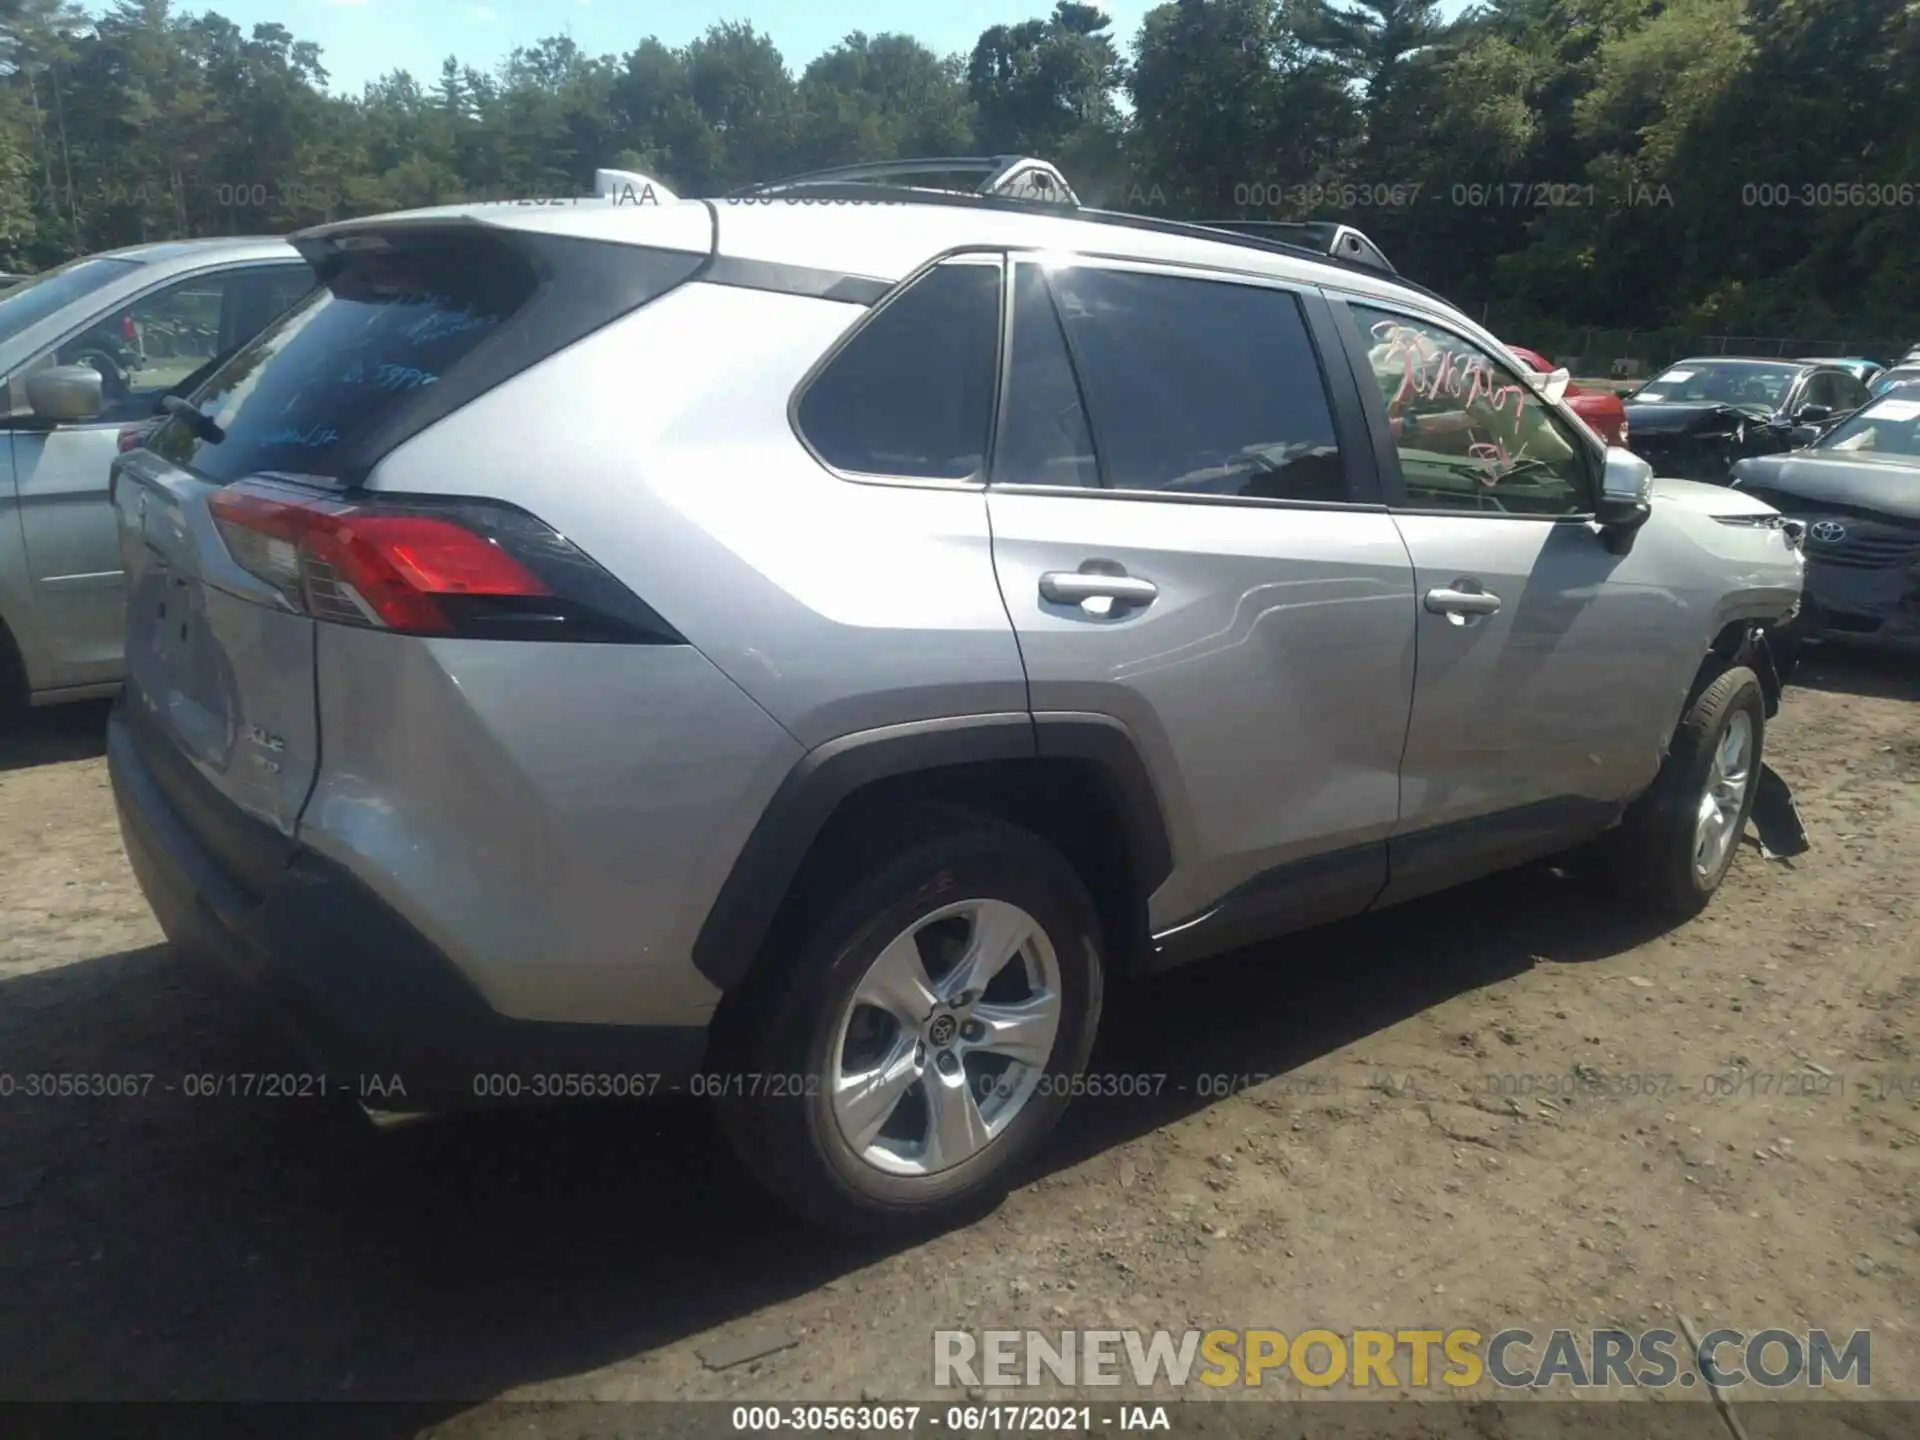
(194, 418)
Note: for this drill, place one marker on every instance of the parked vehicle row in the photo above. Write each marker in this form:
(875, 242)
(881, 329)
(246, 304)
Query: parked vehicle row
(1697, 418)
(816, 648)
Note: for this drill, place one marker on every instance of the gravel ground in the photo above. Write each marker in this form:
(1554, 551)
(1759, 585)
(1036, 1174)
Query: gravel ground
(1743, 1145)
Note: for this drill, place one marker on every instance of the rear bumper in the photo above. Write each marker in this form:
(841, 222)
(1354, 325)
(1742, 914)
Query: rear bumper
(379, 1011)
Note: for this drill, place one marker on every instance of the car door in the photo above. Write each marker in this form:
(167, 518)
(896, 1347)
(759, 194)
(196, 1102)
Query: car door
(1189, 541)
(1544, 658)
(144, 347)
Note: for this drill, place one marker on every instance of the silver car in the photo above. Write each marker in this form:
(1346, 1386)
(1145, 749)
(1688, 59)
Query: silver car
(800, 654)
(85, 350)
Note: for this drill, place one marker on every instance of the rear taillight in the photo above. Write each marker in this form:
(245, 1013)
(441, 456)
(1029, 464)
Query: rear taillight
(425, 566)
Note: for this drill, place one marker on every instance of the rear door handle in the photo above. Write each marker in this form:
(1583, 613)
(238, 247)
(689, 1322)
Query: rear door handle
(1462, 602)
(1075, 587)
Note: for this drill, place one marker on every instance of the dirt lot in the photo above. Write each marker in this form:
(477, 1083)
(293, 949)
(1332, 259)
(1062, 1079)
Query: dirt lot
(1398, 1171)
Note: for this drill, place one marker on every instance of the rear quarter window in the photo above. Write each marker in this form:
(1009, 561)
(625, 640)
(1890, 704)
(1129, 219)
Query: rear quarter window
(911, 393)
(375, 337)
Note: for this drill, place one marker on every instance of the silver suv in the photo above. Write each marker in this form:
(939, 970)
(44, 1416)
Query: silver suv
(85, 350)
(800, 653)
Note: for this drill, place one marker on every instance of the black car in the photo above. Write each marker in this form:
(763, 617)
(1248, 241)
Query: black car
(1694, 420)
(1857, 491)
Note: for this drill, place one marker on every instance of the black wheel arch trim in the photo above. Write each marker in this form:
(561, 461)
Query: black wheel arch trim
(744, 910)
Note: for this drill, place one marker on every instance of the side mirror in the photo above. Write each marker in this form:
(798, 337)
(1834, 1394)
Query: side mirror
(1626, 497)
(1812, 414)
(66, 394)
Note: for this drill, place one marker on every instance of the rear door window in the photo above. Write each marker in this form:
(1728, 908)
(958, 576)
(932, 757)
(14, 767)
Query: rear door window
(911, 394)
(1044, 436)
(380, 334)
(1201, 387)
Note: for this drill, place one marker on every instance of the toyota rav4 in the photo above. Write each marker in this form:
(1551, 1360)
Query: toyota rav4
(806, 652)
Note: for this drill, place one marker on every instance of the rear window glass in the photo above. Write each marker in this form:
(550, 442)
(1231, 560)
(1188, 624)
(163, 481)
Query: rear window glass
(375, 338)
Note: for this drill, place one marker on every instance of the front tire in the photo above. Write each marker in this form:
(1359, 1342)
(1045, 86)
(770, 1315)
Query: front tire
(923, 1042)
(1678, 840)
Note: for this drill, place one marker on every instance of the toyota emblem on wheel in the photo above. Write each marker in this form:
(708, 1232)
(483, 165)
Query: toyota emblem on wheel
(1827, 531)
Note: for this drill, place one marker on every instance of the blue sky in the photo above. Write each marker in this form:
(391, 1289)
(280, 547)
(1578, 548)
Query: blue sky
(363, 39)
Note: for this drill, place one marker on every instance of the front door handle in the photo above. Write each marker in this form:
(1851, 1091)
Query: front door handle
(1076, 587)
(1455, 602)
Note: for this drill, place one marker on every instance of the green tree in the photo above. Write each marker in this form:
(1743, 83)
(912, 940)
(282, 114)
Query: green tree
(1039, 84)
(1232, 107)
(879, 97)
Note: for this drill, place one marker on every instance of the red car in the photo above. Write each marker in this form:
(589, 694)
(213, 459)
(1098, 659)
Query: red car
(1599, 408)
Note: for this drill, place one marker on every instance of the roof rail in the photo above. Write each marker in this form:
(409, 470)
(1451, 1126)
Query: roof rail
(1325, 237)
(1017, 177)
(1009, 181)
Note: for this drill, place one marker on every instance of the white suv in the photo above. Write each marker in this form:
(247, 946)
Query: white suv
(796, 650)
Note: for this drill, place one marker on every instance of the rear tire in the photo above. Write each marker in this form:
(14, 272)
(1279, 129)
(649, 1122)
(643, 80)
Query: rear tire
(1678, 840)
(869, 1116)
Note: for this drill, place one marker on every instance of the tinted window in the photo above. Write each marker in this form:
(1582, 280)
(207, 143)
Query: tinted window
(1469, 434)
(328, 373)
(912, 392)
(1201, 387)
(33, 300)
(1044, 438)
